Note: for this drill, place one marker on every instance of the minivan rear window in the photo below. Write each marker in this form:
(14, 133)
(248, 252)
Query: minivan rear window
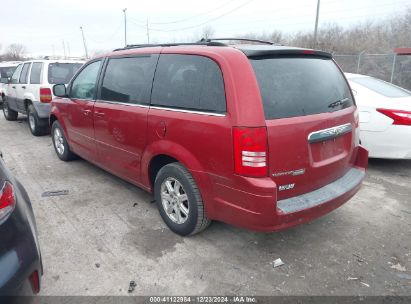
(60, 72)
(297, 86)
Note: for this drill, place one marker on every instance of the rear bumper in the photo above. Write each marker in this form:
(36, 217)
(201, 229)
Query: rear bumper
(259, 210)
(42, 109)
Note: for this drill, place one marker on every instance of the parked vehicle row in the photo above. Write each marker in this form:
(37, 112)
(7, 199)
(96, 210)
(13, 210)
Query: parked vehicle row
(29, 90)
(259, 136)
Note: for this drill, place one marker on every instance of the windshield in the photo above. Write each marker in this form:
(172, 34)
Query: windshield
(299, 86)
(62, 72)
(6, 72)
(381, 87)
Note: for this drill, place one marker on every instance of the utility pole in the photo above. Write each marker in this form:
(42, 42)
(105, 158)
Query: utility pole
(125, 27)
(64, 50)
(68, 49)
(84, 41)
(316, 24)
(148, 33)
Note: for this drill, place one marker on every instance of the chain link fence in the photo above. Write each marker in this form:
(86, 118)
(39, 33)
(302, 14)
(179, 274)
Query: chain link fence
(389, 67)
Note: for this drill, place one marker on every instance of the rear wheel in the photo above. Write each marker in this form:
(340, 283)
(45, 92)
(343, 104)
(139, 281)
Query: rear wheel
(60, 143)
(9, 114)
(179, 200)
(37, 125)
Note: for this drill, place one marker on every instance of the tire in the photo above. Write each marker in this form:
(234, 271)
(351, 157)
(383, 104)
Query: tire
(9, 114)
(36, 128)
(60, 143)
(186, 214)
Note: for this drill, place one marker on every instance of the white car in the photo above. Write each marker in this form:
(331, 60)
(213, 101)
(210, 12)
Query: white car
(6, 70)
(30, 90)
(385, 116)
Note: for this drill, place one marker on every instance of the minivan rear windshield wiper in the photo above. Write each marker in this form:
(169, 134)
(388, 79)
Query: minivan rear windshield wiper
(339, 102)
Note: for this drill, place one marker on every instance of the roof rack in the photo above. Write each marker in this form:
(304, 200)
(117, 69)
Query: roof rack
(137, 46)
(236, 39)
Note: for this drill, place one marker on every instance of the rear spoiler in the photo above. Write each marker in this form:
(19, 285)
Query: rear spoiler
(250, 53)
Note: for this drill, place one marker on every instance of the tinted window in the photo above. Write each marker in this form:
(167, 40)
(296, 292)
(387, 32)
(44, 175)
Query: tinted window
(128, 79)
(62, 72)
(35, 72)
(381, 87)
(24, 73)
(16, 74)
(297, 86)
(189, 82)
(84, 86)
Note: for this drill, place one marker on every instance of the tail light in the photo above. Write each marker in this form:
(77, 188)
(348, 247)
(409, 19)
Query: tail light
(7, 200)
(400, 117)
(250, 151)
(35, 282)
(45, 95)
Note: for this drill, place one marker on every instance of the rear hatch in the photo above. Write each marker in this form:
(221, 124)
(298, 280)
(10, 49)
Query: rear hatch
(310, 121)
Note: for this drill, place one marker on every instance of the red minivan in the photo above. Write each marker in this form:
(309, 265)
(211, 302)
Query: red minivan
(260, 136)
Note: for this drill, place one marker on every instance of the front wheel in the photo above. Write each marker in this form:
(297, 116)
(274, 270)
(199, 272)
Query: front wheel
(9, 114)
(60, 143)
(179, 201)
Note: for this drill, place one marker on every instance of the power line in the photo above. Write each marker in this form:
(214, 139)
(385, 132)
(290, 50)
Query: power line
(195, 16)
(208, 21)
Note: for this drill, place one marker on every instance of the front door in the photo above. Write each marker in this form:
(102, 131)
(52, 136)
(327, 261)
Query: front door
(120, 114)
(21, 87)
(79, 109)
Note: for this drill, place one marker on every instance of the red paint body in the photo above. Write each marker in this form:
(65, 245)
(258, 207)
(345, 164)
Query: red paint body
(124, 140)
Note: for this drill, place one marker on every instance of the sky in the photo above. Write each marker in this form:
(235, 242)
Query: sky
(48, 27)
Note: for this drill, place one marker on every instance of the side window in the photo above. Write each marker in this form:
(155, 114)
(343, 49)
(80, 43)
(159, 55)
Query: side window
(35, 73)
(24, 73)
(84, 86)
(129, 79)
(16, 74)
(189, 82)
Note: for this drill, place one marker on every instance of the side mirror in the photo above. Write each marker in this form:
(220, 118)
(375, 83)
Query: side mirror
(8, 80)
(354, 92)
(59, 90)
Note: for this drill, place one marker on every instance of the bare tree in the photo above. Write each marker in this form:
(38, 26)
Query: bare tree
(207, 32)
(15, 52)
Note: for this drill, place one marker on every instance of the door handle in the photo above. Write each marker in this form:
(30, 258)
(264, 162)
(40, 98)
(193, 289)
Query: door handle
(86, 112)
(99, 114)
(23, 87)
(13, 87)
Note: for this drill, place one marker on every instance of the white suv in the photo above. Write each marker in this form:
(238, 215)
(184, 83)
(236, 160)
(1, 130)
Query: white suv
(30, 90)
(6, 70)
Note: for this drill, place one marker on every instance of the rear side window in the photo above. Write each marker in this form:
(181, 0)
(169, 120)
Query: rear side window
(24, 73)
(299, 86)
(189, 82)
(129, 80)
(59, 72)
(381, 87)
(35, 73)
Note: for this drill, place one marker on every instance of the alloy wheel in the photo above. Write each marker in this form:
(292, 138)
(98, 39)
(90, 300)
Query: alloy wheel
(174, 200)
